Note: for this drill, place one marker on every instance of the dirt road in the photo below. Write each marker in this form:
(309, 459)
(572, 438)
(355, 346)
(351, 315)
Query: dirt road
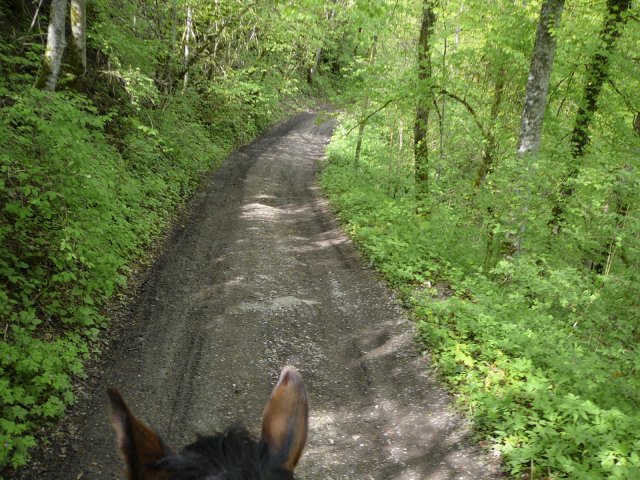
(257, 276)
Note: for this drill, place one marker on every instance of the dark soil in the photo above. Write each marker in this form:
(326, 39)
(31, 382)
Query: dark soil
(257, 275)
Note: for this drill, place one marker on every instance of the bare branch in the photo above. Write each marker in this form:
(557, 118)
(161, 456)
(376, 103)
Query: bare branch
(469, 108)
(364, 120)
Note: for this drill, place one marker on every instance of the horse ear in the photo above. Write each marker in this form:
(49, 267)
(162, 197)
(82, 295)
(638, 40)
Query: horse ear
(285, 419)
(140, 447)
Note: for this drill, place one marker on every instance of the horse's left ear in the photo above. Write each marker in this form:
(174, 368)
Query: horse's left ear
(285, 419)
(140, 447)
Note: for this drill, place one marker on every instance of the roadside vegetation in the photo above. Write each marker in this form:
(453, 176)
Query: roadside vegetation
(521, 267)
(101, 142)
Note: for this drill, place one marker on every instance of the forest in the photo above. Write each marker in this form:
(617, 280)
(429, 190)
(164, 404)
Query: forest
(485, 162)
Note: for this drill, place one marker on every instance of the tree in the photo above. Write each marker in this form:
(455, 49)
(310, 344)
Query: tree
(421, 149)
(363, 120)
(56, 43)
(542, 58)
(535, 102)
(188, 35)
(597, 74)
(78, 50)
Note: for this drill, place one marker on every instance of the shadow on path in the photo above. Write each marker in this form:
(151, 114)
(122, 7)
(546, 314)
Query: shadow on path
(258, 276)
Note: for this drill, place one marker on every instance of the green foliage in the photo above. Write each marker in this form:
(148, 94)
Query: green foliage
(89, 180)
(546, 392)
(65, 239)
(239, 99)
(35, 384)
(540, 349)
(539, 337)
(75, 212)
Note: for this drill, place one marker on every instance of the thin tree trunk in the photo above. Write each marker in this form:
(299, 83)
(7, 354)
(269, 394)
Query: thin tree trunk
(372, 57)
(188, 33)
(78, 57)
(312, 71)
(421, 150)
(35, 16)
(442, 113)
(50, 71)
(490, 143)
(356, 158)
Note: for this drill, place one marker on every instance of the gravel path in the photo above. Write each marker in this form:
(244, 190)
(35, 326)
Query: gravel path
(256, 276)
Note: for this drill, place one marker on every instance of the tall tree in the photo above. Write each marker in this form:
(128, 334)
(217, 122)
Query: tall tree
(542, 58)
(48, 78)
(363, 119)
(490, 142)
(597, 74)
(535, 103)
(78, 16)
(188, 35)
(424, 98)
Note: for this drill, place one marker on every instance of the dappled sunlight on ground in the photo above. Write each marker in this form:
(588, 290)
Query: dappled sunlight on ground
(416, 438)
(261, 276)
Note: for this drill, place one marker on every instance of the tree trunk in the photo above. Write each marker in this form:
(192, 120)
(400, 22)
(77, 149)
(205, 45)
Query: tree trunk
(535, 101)
(50, 71)
(421, 150)
(312, 71)
(490, 142)
(595, 78)
(78, 57)
(188, 33)
(597, 74)
(372, 57)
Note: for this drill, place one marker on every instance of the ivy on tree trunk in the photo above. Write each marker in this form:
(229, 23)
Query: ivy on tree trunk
(597, 74)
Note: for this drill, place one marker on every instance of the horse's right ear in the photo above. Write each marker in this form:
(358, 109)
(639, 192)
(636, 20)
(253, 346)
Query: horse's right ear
(140, 447)
(285, 419)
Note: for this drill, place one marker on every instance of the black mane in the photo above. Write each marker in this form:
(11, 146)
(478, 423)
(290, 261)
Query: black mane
(231, 455)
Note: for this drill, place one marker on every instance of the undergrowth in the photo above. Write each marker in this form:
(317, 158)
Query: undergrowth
(541, 354)
(82, 194)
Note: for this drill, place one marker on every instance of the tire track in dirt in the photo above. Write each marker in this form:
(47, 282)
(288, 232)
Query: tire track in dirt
(260, 275)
